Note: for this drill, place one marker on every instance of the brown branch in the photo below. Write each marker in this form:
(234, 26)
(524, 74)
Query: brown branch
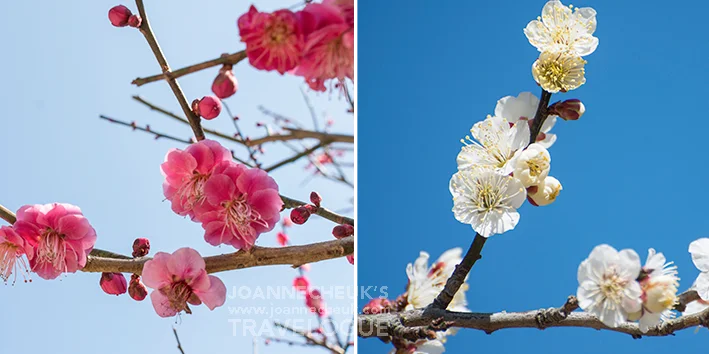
(290, 203)
(294, 158)
(258, 256)
(177, 338)
(297, 134)
(288, 341)
(229, 59)
(334, 348)
(385, 325)
(7, 215)
(174, 85)
(540, 116)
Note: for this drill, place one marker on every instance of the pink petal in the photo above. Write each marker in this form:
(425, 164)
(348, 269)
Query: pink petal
(215, 296)
(74, 227)
(203, 155)
(267, 202)
(255, 180)
(200, 282)
(51, 217)
(215, 234)
(45, 270)
(155, 273)
(220, 153)
(185, 263)
(218, 189)
(161, 304)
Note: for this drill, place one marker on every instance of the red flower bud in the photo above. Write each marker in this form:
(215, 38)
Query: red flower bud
(301, 284)
(376, 306)
(118, 15)
(571, 109)
(282, 238)
(113, 283)
(136, 289)
(350, 259)
(342, 231)
(209, 107)
(315, 198)
(300, 215)
(225, 84)
(141, 247)
(135, 21)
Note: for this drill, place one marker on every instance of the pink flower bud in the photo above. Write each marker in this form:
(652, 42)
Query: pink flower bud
(282, 238)
(113, 283)
(209, 107)
(305, 267)
(300, 215)
(350, 259)
(141, 247)
(225, 84)
(315, 198)
(287, 222)
(571, 109)
(118, 15)
(136, 289)
(342, 231)
(301, 283)
(135, 21)
(314, 301)
(376, 306)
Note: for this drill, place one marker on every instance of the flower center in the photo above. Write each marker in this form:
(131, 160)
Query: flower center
(277, 32)
(52, 249)
(9, 256)
(537, 164)
(191, 193)
(239, 217)
(177, 294)
(612, 287)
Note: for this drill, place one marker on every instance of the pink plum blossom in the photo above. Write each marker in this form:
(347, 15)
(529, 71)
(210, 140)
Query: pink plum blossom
(113, 283)
(179, 279)
(314, 301)
(12, 248)
(243, 203)
(59, 235)
(186, 172)
(274, 41)
(282, 238)
(329, 47)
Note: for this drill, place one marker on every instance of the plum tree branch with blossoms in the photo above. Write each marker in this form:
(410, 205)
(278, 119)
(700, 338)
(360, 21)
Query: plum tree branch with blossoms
(234, 201)
(505, 163)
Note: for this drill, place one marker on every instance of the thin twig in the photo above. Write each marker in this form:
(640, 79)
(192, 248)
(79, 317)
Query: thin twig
(334, 348)
(147, 129)
(230, 59)
(290, 203)
(177, 338)
(174, 85)
(294, 158)
(334, 331)
(297, 134)
(234, 119)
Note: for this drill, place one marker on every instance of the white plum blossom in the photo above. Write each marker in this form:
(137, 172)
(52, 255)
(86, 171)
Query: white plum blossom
(532, 166)
(494, 144)
(556, 72)
(524, 107)
(563, 29)
(699, 249)
(425, 283)
(695, 306)
(487, 200)
(659, 283)
(544, 193)
(608, 286)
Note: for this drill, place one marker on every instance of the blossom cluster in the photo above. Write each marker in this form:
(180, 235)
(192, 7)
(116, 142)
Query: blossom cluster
(234, 203)
(316, 42)
(563, 35)
(616, 288)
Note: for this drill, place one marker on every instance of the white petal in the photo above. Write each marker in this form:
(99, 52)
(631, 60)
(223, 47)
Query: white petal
(700, 253)
(584, 271)
(629, 262)
(521, 135)
(694, 307)
(601, 256)
(649, 320)
(631, 301)
(548, 124)
(555, 14)
(702, 286)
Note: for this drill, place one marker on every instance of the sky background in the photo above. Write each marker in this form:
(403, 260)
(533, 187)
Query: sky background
(64, 65)
(633, 167)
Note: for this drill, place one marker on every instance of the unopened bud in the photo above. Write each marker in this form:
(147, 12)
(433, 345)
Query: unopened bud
(301, 284)
(545, 193)
(225, 84)
(141, 247)
(300, 214)
(113, 283)
(119, 15)
(315, 198)
(287, 222)
(282, 238)
(135, 21)
(350, 259)
(571, 109)
(342, 231)
(376, 306)
(136, 289)
(209, 107)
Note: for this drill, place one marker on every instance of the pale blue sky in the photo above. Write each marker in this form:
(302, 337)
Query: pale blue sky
(64, 64)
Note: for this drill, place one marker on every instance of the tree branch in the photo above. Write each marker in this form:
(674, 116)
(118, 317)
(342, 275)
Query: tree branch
(294, 158)
(177, 338)
(297, 134)
(310, 338)
(385, 325)
(174, 85)
(290, 203)
(229, 59)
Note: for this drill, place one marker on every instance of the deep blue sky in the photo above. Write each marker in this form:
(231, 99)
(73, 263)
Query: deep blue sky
(64, 64)
(633, 168)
